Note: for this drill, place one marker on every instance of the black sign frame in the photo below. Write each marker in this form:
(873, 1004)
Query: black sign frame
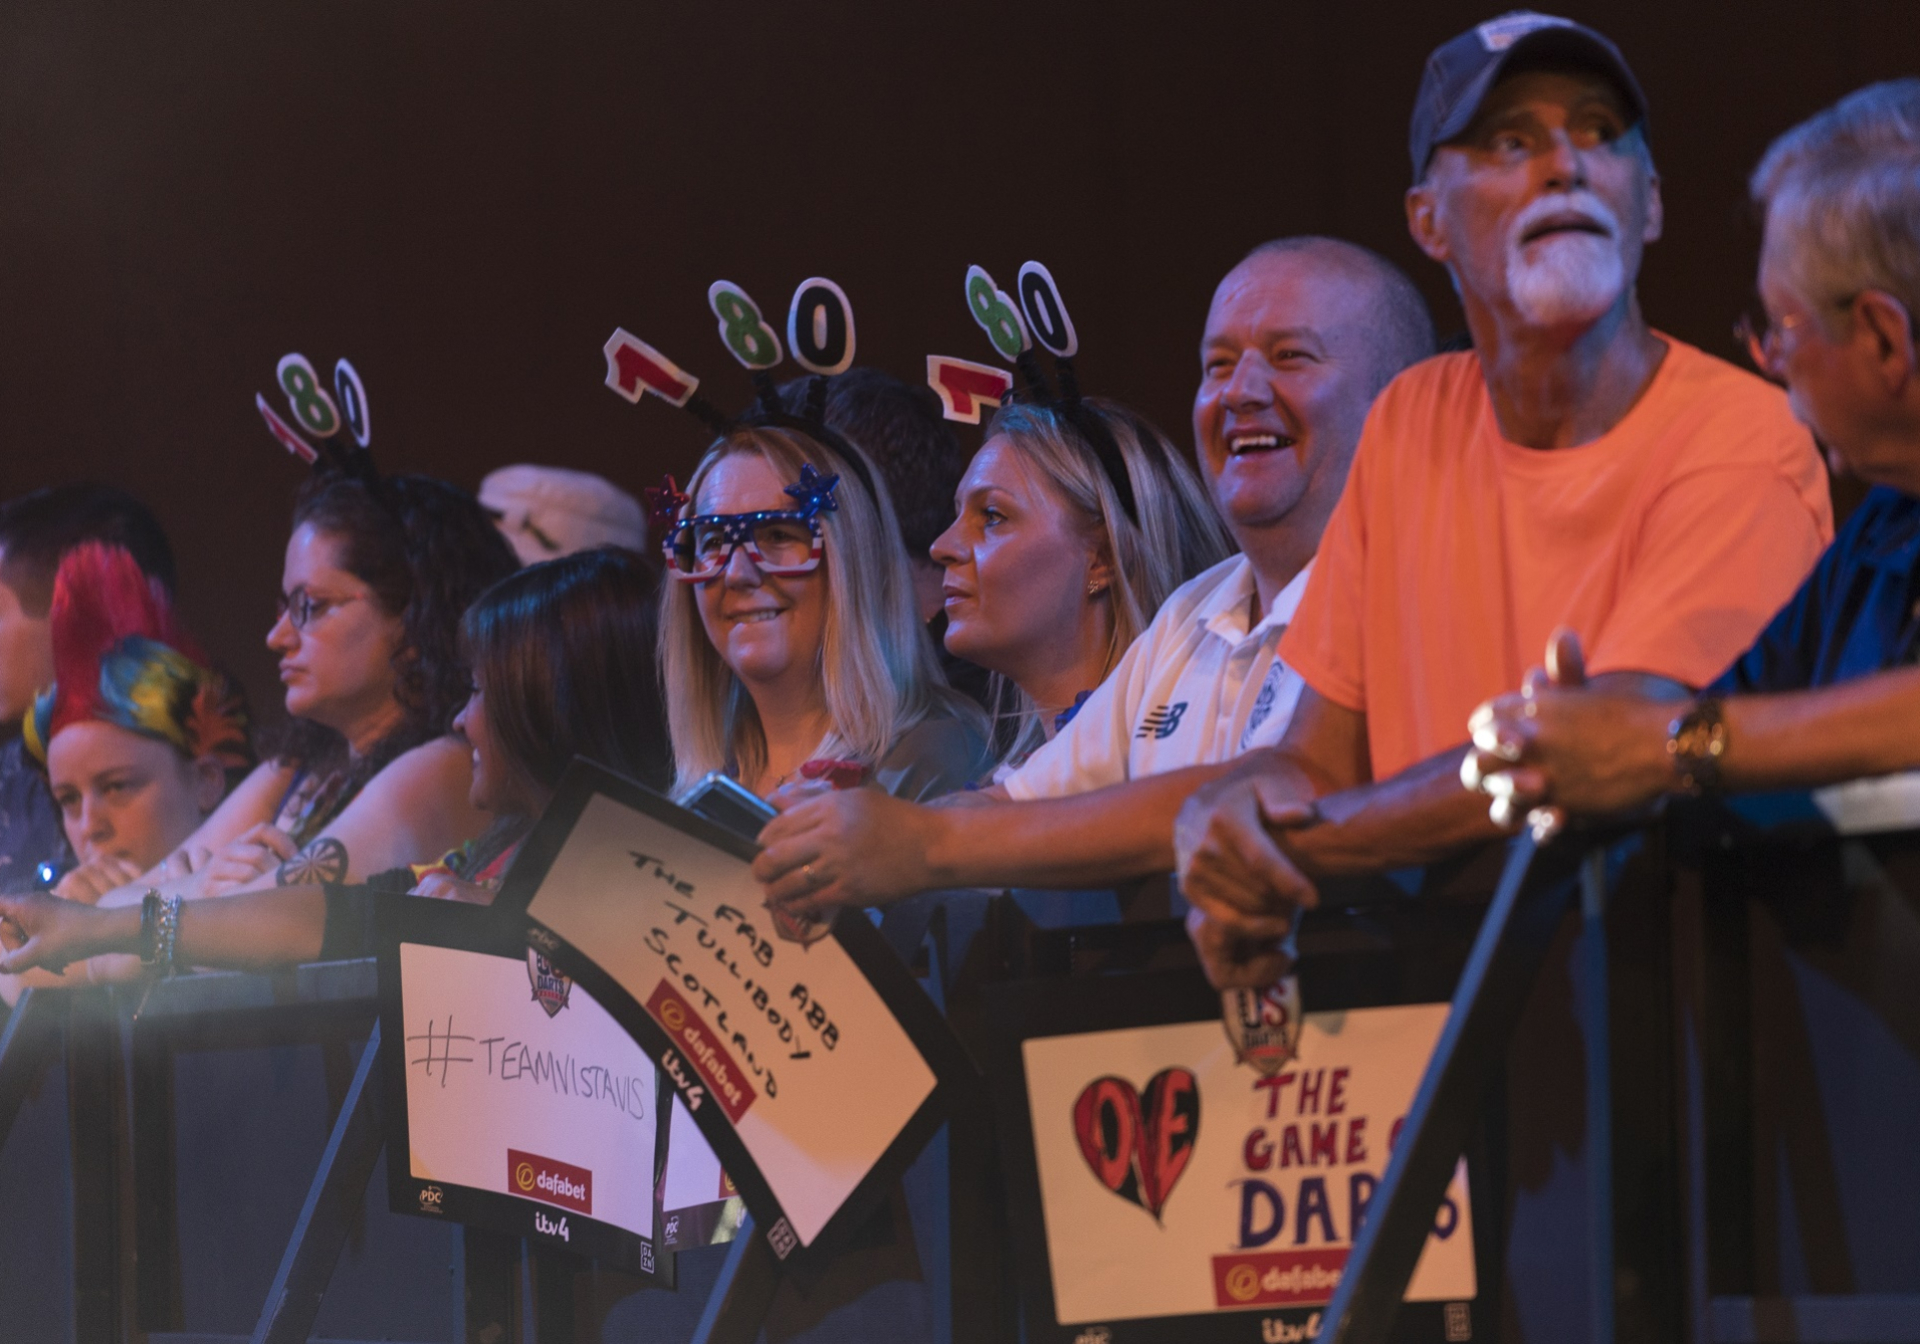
(1020, 1010)
(953, 1072)
(471, 928)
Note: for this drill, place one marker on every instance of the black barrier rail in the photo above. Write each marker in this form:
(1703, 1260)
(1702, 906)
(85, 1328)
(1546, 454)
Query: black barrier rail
(123, 1122)
(1722, 1152)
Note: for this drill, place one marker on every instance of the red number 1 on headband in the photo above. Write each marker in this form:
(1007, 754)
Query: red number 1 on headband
(965, 387)
(635, 368)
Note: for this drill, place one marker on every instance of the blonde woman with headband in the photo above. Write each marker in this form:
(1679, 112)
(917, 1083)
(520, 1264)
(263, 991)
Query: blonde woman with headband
(790, 647)
(1050, 573)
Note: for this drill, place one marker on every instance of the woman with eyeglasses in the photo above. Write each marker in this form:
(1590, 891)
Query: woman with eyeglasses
(790, 647)
(365, 776)
(562, 656)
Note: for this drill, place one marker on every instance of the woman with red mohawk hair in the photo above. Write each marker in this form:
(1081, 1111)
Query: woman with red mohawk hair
(139, 736)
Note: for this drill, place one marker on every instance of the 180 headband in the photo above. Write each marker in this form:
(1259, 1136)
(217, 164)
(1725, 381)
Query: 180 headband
(342, 428)
(1040, 316)
(820, 334)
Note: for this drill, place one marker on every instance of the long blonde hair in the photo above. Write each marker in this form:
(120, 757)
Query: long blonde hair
(1177, 535)
(876, 664)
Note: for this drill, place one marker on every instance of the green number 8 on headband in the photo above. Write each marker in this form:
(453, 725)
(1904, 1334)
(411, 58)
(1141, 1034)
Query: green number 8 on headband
(994, 311)
(746, 333)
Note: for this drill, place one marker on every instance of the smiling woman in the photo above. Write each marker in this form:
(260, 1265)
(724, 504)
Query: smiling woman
(790, 638)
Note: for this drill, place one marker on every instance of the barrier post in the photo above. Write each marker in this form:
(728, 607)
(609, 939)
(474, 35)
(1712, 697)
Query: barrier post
(1536, 889)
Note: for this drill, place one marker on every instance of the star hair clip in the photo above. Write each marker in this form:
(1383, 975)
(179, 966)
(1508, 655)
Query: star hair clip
(814, 492)
(664, 502)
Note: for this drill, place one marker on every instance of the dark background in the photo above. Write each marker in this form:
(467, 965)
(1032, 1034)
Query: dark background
(465, 199)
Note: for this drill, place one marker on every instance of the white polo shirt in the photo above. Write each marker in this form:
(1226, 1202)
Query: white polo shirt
(1197, 687)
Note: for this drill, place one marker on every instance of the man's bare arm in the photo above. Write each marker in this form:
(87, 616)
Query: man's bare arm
(1423, 814)
(864, 848)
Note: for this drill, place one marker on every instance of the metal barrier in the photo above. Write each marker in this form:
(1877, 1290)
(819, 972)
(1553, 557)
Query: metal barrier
(1747, 1175)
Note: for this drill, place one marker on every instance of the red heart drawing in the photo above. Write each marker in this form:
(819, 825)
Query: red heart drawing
(1138, 1146)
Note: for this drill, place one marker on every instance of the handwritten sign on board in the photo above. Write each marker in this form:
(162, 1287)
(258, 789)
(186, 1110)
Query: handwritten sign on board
(1176, 1181)
(765, 1041)
(525, 1106)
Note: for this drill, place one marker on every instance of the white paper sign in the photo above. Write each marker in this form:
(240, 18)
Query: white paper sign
(792, 1044)
(1175, 1181)
(506, 1096)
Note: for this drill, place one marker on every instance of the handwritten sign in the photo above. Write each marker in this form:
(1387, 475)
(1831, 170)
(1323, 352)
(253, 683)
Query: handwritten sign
(526, 1106)
(763, 1040)
(1175, 1181)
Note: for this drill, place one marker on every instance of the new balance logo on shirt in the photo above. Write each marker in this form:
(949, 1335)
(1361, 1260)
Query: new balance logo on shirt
(1162, 721)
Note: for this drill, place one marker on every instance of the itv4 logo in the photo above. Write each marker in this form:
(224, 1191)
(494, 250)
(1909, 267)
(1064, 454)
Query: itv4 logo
(553, 1227)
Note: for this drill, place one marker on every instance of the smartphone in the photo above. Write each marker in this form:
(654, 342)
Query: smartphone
(724, 803)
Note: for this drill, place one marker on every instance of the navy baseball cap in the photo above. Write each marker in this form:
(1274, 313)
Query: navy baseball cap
(1462, 70)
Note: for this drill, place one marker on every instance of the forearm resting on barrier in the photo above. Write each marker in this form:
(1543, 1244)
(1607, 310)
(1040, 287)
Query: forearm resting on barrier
(860, 847)
(245, 932)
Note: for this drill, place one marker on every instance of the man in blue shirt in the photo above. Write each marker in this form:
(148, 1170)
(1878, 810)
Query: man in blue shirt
(1830, 690)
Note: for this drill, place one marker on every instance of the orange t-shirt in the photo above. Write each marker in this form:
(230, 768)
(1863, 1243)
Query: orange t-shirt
(1667, 543)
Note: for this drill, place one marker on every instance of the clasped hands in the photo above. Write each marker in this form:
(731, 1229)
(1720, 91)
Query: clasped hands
(1558, 747)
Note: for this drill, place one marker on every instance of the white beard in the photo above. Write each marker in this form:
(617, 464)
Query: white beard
(1565, 278)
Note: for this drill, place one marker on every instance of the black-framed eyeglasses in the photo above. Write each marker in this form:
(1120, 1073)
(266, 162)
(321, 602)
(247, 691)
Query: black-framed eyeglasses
(781, 542)
(301, 607)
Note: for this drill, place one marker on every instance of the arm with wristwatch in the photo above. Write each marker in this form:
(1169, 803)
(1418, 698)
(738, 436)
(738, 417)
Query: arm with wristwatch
(1598, 752)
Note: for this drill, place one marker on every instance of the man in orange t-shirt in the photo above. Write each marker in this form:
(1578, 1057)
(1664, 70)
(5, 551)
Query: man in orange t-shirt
(1576, 468)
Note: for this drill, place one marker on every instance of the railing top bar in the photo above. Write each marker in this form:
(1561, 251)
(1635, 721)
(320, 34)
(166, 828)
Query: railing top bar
(319, 984)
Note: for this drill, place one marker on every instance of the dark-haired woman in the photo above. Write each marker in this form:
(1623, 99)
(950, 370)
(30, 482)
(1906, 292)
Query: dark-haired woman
(562, 667)
(365, 777)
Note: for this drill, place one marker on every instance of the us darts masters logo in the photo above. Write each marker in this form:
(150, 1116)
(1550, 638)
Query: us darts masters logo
(550, 988)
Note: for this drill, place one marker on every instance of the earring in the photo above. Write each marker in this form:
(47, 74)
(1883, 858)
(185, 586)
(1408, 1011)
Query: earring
(1095, 588)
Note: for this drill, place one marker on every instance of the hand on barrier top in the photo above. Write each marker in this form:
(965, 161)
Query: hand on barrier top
(839, 847)
(42, 931)
(1233, 960)
(1556, 747)
(1230, 864)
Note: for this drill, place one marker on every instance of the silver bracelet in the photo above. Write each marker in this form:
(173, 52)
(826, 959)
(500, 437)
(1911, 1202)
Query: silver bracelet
(168, 931)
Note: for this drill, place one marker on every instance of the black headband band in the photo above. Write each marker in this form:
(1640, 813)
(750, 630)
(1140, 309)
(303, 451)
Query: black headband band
(817, 430)
(1106, 449)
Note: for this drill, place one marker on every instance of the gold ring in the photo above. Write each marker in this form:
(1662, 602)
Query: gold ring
(812, 881)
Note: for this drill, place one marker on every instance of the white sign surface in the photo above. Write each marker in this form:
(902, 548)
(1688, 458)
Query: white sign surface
(505, 1096)
(781, 1038)
(1177, 1181)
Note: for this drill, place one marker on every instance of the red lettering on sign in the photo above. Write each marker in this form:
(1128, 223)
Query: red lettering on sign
(691, 1034)
(1278, 1278)
(549, 1180)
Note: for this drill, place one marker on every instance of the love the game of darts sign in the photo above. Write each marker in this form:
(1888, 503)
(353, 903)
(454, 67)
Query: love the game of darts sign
(1163, 1190)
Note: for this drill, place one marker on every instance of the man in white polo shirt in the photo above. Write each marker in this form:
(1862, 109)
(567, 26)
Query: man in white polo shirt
(1299, 338)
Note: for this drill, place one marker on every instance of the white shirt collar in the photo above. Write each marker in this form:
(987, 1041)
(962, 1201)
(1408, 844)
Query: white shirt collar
(1225, 612)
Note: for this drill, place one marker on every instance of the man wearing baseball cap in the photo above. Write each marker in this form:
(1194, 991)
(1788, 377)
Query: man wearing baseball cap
(1574, 469)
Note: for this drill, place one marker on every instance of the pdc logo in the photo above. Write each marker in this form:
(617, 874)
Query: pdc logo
(553, 1182)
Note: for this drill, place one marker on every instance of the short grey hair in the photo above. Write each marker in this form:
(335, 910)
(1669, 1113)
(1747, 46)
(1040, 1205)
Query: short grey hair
(1841, 197)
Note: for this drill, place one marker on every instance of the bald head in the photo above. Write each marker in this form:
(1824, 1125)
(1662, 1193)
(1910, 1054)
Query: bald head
(1301, 336)
(1388, 317)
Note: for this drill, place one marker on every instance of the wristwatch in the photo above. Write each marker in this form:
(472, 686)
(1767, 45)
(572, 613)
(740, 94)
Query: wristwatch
(1695, 743)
